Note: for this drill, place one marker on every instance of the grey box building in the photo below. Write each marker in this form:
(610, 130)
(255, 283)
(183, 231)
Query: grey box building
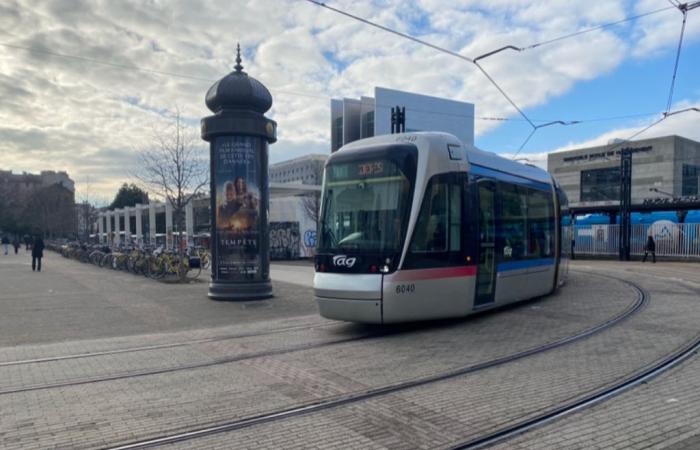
(307, 169)
(663, 167)
(353, 119)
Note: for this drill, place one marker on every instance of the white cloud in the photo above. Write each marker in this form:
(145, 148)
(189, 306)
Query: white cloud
(661, 31)
(685, 124)
(87, 118)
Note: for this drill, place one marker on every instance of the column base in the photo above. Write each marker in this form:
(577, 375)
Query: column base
(240, 291)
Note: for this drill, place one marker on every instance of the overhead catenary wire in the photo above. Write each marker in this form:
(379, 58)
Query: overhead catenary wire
(683, 7)
(663, 117)
(571, 35)
(531, 122)
(440, 49)
(119, 66)
(426, 43)
(473, 61)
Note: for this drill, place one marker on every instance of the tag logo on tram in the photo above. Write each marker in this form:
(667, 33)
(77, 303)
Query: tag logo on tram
(344, 261)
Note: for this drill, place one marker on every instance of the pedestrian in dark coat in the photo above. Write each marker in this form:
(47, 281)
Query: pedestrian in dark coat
(16, 245)
(650, 248)
(37, 253)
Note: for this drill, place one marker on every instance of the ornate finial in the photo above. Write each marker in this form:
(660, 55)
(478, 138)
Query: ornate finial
(238, 66)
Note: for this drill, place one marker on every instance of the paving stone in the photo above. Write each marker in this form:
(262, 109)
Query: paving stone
(435, 415)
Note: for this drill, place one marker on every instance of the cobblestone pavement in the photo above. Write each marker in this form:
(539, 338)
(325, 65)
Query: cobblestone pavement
(69, 300)
(444, 414)
(660, 414)
(431, 416)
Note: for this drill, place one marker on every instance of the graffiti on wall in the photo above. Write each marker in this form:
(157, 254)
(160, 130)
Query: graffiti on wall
(309, 248)
(284, 240)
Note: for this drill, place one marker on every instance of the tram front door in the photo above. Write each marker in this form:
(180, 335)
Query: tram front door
(486, 270)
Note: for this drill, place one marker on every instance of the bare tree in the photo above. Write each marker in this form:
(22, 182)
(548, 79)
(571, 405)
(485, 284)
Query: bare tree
(50, 211)
(312, 201)
(175, 169)
(86, 213)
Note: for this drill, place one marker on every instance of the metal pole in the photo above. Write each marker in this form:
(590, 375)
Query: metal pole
(625, 203)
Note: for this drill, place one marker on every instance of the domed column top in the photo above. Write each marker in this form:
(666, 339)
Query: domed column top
(238, 91)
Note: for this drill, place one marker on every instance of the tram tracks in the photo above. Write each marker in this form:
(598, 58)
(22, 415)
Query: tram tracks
(182, 367)
(563, 410)
(345, 399)
(639, 377)
(144, 348)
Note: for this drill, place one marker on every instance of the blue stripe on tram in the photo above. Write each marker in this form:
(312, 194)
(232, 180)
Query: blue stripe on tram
(524, 264)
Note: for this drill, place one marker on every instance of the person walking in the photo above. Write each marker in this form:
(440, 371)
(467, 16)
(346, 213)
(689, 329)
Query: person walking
(37, 253)
(5, 243)
(650, 248)
(15, 244)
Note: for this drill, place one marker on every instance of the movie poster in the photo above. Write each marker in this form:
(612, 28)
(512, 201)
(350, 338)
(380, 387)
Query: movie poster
(237, 184)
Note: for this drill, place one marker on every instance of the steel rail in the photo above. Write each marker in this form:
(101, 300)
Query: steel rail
(666, 364)
(181, 367)
(144, 348)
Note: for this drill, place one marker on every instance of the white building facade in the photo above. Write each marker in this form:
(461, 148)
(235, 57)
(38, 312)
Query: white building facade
(353, 119)
(306, 169)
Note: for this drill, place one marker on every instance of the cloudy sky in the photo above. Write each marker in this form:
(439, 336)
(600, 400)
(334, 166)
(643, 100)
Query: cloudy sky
(84, 84)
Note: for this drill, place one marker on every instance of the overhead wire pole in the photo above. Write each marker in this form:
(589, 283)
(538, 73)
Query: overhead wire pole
(683, 8)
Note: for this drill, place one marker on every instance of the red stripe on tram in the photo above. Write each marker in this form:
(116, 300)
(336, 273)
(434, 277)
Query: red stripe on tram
(431, 274)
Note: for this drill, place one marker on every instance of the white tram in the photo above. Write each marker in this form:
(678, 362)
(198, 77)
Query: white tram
(419, 226)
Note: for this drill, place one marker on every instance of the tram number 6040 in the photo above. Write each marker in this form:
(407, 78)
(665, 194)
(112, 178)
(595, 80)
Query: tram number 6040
(405, 288)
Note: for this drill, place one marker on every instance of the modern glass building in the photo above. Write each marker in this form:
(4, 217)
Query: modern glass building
(353, 119)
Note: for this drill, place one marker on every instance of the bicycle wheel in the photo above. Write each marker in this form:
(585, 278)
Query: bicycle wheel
(106, 260)
(194, 268)
(96, 257)
(155, 268)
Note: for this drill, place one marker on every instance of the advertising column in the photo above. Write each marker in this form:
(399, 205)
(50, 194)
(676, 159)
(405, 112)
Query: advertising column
(239, 134)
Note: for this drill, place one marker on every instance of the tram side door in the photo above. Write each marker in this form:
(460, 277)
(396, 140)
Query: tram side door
(486, 269)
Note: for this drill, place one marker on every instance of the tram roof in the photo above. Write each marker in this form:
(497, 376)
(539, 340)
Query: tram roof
(474, 155)
(493, 161)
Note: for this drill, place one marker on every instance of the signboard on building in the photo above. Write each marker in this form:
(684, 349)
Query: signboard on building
(604, 154)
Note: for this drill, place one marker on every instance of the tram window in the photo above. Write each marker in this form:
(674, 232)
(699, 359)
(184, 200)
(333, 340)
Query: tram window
(513, 229)
(540, 224)
(437, 237)
(455, 217)
(431, 228)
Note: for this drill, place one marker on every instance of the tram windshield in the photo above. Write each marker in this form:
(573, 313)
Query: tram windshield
(365, 207)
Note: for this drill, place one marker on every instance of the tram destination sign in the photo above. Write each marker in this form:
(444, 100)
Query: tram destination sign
(363, 169)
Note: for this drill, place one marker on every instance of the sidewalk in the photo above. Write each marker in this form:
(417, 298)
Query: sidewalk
(72, 300)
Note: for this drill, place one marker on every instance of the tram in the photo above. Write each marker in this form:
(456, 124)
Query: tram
(419, 226)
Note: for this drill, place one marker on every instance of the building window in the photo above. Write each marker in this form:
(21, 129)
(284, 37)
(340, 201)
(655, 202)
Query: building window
(600, 185)
(691, 180)
(368, 125)
(338, 128)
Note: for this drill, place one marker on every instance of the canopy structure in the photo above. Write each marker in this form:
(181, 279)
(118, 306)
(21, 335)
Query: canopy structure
(112, 226)
(289, 189)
